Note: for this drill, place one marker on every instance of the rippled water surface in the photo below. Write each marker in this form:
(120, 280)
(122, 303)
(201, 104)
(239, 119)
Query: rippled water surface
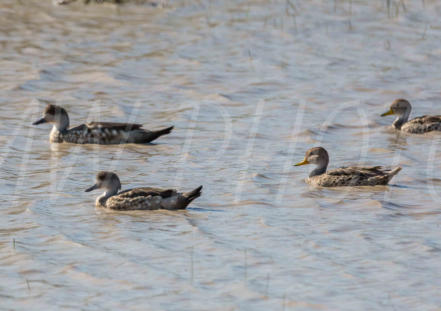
(249, 85)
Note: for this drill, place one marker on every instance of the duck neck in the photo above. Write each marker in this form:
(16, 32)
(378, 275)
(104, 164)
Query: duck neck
(101, 200)
(319, 170)
(61, 123)
(400, 120)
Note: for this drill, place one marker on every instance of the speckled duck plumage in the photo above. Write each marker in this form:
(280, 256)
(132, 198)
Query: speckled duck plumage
(144, 198)
(419, 125)
(104, 133)
(153, 3)
(345, 176)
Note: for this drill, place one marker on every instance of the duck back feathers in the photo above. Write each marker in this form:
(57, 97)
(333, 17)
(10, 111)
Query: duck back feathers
(423, 124)
(147, 198)
(355, 176)
(106, 133)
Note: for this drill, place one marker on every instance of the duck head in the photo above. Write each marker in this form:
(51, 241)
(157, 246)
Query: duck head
(55, 115)
(401, 108)
(318, 156)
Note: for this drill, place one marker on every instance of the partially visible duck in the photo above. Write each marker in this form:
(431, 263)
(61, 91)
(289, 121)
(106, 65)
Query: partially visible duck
(345, 176)
(139, 198)
(103, 133)
(402, 108)
(146, 2)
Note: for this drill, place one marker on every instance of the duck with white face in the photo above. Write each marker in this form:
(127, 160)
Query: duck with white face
(420, 125)
(144, 198)
(103, 133)
(344, 176)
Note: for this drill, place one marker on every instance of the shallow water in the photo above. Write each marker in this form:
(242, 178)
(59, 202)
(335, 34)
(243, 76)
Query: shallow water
(249, 85)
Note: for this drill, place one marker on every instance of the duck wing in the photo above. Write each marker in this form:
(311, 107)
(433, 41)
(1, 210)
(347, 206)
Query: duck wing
(113, 133)
(147, 198)
(126, 132)
(147, 191)
(426, 120)
(142, 199)
(79, 128)
(114, 126)
(364, 172)
(106, 133)
(357, 176)
(422, 125)
(103, 127)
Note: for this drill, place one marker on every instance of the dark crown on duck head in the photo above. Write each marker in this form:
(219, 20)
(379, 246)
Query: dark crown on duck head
(401, 103)
(109, 178)
(55, 115)
(53, 109)
(101, 176)
(106, 180)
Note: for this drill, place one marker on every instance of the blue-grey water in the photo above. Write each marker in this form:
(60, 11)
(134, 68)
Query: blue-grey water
(249, 86)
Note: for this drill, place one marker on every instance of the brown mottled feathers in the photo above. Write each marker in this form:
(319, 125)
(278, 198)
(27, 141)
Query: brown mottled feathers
(150, 199)
(422, 125)
(355, 176)
(114, 126)
(111, 133)
(426, 119)
(354, 170)
(108, 126)
(146, 191)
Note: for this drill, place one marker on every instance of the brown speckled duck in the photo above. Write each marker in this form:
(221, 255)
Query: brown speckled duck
(420, 125)
(345, 176)
(103, 133)
(146, 2)
(144, 198)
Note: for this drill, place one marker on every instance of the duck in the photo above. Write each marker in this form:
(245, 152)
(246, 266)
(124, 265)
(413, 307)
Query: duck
(104, 133)
(144, 198)
(148, 2)
(344, 176)
(420, 125)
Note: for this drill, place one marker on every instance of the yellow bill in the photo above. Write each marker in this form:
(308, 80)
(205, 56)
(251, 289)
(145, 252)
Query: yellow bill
(304, 162)
(387, 113)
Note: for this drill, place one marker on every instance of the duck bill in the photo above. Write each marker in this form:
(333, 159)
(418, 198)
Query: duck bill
(304, 162)
(41, 121)
(390, 112)
(92, 188)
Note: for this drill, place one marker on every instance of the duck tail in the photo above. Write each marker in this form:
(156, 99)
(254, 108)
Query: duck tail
(151, 136)
(156, 134)
(164, 131)
(190, 196)
(394, 172)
